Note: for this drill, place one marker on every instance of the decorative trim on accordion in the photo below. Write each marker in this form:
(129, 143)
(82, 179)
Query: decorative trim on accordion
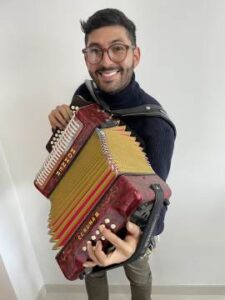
(63, 140)
(105, 150)
(67, 144)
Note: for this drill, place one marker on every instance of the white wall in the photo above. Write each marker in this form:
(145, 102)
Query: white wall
(182, 66)
(17, 257)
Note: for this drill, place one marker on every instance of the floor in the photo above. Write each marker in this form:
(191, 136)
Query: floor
(77, 296)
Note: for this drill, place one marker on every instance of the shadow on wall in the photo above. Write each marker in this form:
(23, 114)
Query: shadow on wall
(7, 291)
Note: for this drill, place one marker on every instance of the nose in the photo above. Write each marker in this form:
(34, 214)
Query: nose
(105, 58)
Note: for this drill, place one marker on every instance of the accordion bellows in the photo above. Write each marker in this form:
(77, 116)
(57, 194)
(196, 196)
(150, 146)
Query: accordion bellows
(108, 153)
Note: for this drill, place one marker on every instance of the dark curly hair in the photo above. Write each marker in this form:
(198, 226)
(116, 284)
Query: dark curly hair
(109, 17)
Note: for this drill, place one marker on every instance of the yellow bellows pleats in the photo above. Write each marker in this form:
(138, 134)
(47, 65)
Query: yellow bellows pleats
(108, 153)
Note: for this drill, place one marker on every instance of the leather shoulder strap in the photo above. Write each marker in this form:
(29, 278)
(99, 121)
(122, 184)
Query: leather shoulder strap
(146, 110)
(79, 101)
(92, 89)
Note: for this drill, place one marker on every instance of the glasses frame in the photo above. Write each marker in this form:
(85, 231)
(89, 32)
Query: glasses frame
(103, 50)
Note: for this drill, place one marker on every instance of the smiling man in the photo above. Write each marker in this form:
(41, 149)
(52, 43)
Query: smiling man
(111, 55)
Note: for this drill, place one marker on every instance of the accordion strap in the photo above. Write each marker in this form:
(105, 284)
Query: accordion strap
(148, 110)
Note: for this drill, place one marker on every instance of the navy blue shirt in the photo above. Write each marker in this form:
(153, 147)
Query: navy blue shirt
(156, 134)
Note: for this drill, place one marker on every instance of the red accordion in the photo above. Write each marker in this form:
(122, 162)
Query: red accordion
(97, 173)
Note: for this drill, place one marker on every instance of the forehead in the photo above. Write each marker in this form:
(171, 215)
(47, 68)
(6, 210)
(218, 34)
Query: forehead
(108, 35)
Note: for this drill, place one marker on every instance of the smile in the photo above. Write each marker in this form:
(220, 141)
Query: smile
(108, 74)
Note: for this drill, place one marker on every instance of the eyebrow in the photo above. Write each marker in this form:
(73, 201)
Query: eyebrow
(111, 43)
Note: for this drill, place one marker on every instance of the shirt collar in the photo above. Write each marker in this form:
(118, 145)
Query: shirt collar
(128, 97)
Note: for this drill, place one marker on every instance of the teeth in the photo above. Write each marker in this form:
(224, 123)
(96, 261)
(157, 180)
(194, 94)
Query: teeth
(108, 74)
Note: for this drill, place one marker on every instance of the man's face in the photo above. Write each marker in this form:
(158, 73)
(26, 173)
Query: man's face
(109, 76)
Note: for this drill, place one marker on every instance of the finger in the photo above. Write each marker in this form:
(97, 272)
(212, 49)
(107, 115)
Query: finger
(133, 235)
(91, 253)
(53, 121)
(133, 229)
(60, 116)
(110, 258)
(100, 255)
(89, 264)
(65, 111)
(56, 120)
(98, 247)
(114, 239)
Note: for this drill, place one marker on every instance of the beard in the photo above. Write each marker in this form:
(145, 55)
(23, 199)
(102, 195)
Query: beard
(112, 79)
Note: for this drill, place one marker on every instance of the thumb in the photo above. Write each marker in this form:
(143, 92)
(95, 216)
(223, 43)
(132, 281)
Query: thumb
(133, 229)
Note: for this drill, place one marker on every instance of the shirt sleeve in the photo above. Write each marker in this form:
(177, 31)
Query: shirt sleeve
(159, 138)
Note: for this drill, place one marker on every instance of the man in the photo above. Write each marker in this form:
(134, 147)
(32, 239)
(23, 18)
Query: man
(111, 54)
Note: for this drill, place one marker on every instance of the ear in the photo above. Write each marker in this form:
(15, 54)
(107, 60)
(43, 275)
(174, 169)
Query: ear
(137, 56)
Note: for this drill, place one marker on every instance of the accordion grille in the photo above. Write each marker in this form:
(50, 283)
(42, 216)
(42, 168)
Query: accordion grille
(107, 154)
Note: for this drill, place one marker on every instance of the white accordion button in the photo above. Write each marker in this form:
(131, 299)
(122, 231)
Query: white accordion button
(113, 226)
(102, 238)
(84, 248)
(74, 108)
(93, 238)
(107, 221)
(97, 232)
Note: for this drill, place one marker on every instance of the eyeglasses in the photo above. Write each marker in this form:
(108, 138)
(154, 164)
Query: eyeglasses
(116, 52)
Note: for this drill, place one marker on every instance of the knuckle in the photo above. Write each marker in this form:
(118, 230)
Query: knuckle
(138, 231)
(129, 251)
(104, 263)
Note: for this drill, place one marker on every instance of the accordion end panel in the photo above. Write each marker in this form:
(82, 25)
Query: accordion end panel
(65, 145)
(114, 209)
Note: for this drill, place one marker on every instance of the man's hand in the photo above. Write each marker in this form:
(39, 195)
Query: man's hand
(124, 249)
(60, 116)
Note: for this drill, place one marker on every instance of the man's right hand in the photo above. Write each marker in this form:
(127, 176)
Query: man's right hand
(60, 116)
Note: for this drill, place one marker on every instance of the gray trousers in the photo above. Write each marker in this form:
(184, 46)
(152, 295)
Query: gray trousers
(138, 273)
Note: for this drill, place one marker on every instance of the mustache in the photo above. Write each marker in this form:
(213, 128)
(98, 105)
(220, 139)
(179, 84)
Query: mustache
(104, 69)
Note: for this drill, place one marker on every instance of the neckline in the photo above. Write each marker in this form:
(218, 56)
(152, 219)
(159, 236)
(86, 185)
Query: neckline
(125, 98)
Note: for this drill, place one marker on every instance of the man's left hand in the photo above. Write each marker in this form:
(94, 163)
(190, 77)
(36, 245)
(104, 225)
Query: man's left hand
(124, 249)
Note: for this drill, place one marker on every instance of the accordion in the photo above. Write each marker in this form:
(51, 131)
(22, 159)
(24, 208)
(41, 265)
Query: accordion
(97, 173)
